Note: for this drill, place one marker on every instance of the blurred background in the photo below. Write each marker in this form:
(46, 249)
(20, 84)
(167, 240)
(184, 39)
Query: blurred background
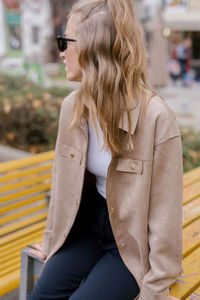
(33, 81)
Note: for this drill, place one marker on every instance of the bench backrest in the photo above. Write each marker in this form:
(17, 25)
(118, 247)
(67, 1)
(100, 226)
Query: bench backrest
(24, 188)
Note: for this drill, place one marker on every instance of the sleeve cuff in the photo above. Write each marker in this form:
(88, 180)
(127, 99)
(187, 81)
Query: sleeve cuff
(151, 295)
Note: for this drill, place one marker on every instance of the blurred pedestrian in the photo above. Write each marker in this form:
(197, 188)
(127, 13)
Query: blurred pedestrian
(188, 45)
(182, 56)
(174, 69)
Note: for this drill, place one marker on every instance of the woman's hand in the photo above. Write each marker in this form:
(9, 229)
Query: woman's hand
(37, 251)
(173, 298)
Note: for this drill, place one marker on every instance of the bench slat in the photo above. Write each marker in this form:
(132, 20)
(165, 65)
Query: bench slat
(15, 266)
(191, 237)
(191, 192)
(24, 192)
(24, 183)
(24, 173)
(9, 266)
(16, 215)
(195, 295)
(26, 162)
(10, 258)
(191, 212)
(23, 223)
(191, 176)
(23, 232)
(9, 282)
(22, 243)
(189, 281)
(12, 262)
(18, 204)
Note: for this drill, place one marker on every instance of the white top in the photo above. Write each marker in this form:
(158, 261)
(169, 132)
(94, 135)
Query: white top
(98, 160)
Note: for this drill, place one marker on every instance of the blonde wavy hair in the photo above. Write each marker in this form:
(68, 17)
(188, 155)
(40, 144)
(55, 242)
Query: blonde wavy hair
(113, 59)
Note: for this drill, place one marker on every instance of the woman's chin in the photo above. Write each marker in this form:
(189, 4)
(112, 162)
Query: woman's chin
(71, 78)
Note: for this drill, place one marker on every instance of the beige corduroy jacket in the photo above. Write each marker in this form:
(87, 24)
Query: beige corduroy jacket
(143, 190)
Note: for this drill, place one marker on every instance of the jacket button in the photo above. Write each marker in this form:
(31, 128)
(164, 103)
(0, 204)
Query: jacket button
(112, 209)
(65, 235)
(122, 245)
(132, 166)
(72, 155)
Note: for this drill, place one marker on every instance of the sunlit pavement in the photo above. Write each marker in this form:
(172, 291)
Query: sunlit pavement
(184, 101)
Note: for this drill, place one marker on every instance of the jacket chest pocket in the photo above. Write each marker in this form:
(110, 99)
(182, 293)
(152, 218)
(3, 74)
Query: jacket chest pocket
(131, 184)
(129, 165)
(69, 153)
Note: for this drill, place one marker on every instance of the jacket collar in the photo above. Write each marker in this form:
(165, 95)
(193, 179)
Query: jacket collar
(123, 124)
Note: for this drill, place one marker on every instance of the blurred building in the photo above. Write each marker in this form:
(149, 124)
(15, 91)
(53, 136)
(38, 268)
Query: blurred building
(156, 43)
(182, 20)
(167, 23)
(28, 29)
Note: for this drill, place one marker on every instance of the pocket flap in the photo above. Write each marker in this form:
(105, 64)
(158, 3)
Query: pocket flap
(129, 165)
(69, 152)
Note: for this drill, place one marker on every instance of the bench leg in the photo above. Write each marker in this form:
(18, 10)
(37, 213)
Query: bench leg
(26, 275)
(30, 266)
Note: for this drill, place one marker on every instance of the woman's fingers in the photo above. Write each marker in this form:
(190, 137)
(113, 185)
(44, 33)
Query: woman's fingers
(173, 298)
(37, 246)
(37, 251)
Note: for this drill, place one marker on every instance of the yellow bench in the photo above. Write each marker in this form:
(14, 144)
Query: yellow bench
(24, 191)
(188, 284)
(30, 178)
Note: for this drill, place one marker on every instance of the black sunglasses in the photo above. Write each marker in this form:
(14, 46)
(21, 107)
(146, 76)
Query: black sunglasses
(62, 42)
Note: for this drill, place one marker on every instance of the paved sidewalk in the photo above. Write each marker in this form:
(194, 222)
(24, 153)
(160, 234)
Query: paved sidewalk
(9, 153)
(185, 102)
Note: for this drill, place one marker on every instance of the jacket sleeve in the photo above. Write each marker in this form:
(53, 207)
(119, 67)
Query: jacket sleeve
(164, 220)
(48, 231)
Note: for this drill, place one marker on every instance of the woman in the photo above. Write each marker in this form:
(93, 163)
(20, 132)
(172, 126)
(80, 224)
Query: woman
(114, 226)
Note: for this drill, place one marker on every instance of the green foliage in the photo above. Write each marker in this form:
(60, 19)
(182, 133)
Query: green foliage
(191, 148)
(29, 114)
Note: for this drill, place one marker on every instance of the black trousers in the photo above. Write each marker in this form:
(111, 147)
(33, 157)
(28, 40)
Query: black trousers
(88, 266)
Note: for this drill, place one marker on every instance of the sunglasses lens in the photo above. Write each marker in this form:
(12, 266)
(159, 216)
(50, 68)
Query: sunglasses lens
(62, 44)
